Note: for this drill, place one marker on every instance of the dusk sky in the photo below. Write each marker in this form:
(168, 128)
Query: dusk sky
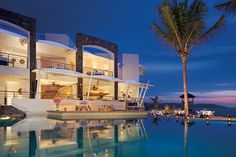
(211, 66)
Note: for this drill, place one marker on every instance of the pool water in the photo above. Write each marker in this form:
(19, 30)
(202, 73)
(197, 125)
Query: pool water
(162, 137)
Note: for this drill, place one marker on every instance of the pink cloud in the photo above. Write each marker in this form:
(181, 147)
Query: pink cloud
(218, 100)
(221, 97)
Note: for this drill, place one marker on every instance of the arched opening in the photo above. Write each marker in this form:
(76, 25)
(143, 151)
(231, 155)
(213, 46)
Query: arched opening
(17, 55)
(98, 60)
(14, 62)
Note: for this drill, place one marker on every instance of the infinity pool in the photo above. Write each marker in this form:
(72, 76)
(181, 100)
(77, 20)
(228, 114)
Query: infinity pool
(40, 137)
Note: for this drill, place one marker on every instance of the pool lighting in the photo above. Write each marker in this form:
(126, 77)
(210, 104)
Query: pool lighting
(229, 118)
(176, 116)
(188, 117)
(4, 118)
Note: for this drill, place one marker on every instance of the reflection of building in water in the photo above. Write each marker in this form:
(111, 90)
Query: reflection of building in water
(13, 142)
(95, 138)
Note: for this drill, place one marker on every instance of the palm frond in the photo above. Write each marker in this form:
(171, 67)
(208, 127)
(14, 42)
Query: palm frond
(184, 24)
(210, 33)
(229, 6)
(168, 18)
(164, 35)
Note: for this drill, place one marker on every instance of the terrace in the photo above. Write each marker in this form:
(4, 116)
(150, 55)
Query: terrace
(13, 60)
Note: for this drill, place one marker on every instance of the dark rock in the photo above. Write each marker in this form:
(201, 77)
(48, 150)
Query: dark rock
(11, 112)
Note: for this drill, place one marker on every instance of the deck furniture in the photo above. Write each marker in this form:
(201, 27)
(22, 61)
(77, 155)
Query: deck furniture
(98, 94)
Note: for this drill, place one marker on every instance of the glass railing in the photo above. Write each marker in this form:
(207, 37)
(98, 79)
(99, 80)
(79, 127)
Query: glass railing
(7, 96)
(93, 71)
(41, 63)
(13, 60)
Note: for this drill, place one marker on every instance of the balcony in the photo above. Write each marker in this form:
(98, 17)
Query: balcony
(7, 96)
(13, 60)
(41, 63)
(93, 71)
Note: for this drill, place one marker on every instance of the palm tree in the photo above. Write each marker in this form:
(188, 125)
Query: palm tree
(155, 101)
(184, 27)
(229, 5)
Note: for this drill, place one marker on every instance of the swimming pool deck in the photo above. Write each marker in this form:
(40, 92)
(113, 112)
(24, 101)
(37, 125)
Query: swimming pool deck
(215, 118)
(74, 115)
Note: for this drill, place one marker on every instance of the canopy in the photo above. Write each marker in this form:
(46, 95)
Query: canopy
(13, 72)
(61, 72)
(135, 83)
(81, 75)
(106, 78)
(54, 43)
(6, 32)
(189, 96)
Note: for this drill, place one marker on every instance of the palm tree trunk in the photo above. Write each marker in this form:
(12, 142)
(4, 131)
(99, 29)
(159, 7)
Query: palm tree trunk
(184, 63)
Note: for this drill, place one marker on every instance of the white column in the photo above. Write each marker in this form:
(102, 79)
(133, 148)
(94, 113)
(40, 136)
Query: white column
(145, 91)
(126, 94)
(37, 96)
(90, 82)
(141, 92)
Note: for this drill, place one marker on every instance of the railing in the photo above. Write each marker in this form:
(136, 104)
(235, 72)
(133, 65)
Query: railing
(89, 71)
(13, 60)
(7, 96)
(41, 63)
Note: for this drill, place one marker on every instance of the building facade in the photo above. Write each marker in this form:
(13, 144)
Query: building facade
(44, 66)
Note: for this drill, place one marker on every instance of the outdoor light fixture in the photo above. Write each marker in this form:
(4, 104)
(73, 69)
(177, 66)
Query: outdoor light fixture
(4, 118)
(229, 118)
(176, 116)
(188, 117)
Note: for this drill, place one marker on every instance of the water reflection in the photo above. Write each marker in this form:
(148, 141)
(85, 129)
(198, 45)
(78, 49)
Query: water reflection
(186, 123)
(39, 136)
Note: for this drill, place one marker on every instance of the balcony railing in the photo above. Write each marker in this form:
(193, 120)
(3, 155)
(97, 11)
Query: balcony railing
(89, 71)
(7, 96)
(19, 61)
(13, 60)
(41, 63)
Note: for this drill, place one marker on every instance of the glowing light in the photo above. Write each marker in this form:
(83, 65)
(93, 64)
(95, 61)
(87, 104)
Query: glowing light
(177, 116)
(4, 118)
(188, 117)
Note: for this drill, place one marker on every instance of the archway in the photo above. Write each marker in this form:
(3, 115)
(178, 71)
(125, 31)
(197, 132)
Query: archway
(27, 24)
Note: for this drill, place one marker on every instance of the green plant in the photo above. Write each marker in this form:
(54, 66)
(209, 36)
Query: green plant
(155, 101)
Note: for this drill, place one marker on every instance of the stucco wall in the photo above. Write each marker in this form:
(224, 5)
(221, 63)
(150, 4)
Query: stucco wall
(41, 106)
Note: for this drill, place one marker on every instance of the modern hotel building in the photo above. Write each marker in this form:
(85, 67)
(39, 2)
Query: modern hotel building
(44, 66)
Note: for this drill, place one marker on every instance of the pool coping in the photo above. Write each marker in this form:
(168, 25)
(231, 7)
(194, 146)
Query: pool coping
(75, 115)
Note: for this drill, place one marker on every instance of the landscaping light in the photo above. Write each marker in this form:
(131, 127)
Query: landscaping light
(229, 118)
(4, 118)
(188, 117)
(177, 116)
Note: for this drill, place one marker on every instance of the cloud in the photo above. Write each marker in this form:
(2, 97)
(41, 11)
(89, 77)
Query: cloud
(222, 84)
(222, 97)
(167, 67)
